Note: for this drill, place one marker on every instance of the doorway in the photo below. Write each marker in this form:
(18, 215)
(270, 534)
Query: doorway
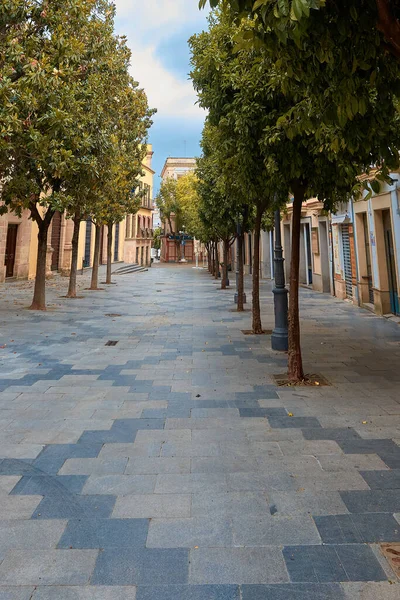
(368, 258)
(11, 245)
(390, 262)
(88, 242)
(55, 240)
(116, 243)
(324, 252)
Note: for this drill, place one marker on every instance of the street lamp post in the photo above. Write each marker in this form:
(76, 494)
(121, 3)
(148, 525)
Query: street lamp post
(182, 235)
(279, 337)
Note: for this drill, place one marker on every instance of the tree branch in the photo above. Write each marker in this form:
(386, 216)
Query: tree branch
(389, 26)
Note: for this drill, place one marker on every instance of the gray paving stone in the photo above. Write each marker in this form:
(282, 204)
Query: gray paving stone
(49, 567)
(18, 508)
(189, 449)
(49, 485)
(384, 590)
(120, 485)
(382, 480)
(334, 434)
(90, 466)
(372, 501)
(223, 464)
(266, 482)
(294, 422)
(349, 462)
(73, 507)
(274, 531)
(188, 592)
(16, 593)
(358, 528)
(189, 533)
(89, 592)
(155, 465)
(23, 534)
(145, 506)
(311, 503)
(237, 565)
(314, 447)
(338, 563)
(105, 533)
(141, 567)
(293, 591)
(225, 504)
(190, 483)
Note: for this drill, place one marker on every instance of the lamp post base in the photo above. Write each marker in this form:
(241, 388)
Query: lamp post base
(279, 337)
(236, 298)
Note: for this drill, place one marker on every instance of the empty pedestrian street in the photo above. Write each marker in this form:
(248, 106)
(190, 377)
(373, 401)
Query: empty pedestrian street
(147, 452)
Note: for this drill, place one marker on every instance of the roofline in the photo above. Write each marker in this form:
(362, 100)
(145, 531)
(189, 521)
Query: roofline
(148, 168)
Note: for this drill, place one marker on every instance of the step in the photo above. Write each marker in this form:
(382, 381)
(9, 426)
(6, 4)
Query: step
(134, 268)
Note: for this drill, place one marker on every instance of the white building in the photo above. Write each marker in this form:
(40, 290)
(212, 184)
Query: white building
(177, 167)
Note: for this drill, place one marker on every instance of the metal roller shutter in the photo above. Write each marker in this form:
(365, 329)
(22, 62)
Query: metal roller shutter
(348, 272)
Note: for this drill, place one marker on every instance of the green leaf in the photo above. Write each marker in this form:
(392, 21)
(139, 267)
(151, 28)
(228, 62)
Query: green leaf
(297, 8)
(375, 185)
(353, 12)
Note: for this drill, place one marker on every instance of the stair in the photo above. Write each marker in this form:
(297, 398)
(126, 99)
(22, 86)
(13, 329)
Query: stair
(133, 268)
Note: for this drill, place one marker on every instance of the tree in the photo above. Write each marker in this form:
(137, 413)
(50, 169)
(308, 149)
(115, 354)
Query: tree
(325, 121)
(217, 211)
(237, 133)
(157, 238)
(168, 204)
(288, 16)
(188, 201)
(47, 49)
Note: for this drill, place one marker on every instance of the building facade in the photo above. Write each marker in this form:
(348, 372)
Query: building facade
(176, 246)
(377, 231)
(132, 238)
(353, 253)
(139, 227)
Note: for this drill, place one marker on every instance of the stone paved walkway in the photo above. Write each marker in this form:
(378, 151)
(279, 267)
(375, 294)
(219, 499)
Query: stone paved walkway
(169, 467)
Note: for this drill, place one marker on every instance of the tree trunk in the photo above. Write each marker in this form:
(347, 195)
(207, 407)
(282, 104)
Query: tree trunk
(295, 363)
(74, 258)
(257, 325)
(240, 304)
(96, 256)
(224, 279)
(216, 260)
(39, 293)
(208, 248)
(109, 252)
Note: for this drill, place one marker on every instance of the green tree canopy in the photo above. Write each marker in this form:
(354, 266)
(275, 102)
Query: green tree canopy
(313, 143)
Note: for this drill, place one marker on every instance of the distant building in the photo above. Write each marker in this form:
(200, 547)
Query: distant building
(132, 238)
(139, 227)
(177, 167)
(176, 245)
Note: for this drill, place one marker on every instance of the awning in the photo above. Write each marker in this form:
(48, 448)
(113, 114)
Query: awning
(337, 219)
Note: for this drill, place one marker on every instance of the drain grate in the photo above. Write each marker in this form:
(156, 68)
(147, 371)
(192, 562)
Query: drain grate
(113, 315)
(392, 554)
(111, 343)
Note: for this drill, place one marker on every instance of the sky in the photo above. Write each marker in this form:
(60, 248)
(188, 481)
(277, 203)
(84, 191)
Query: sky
(157, 32)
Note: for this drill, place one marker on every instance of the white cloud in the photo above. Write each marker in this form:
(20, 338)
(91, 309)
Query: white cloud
(153, 14)
(171, 96)
(146, 24)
